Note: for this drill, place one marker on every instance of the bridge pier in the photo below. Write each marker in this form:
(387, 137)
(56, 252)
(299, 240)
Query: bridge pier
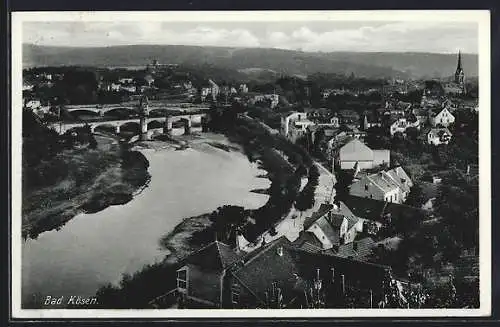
(117, 129)
(187, 126)
(144, 129)
(167, 128)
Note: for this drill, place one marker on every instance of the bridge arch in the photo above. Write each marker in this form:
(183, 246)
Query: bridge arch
(105, 127)
(81, 112)
(152, 124)
(130, 127)
(121, 112)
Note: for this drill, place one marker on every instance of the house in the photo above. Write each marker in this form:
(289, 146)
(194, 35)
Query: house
(272, 98)
(27, 86)
(33, 104)
(333, 225)
(402, 123)
(127, 80)
(437, 136)
(421, 114)
(279, 274)
(380, 212)
(359, 249)
(356, 154)
(370, 120)
(349, 117)
(243, 88)
(441, 117)
(294, 125)
(453, 89)
(389, 186)
(200, 279)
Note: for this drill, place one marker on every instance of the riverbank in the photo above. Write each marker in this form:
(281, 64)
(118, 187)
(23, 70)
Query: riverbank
(84, 180)
(284, 164)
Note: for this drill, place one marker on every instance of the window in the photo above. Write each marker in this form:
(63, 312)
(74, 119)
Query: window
(235, 293)
(182, 279)
(366, 187)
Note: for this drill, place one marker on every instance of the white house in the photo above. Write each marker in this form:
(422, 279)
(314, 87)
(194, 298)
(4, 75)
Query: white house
(33, 104)
(437, 136)
(389, 186)
(27, 87)
(355, 154)
(333, 225)
(443, 117)
(401, 124)
(288, 120)
(125, 80)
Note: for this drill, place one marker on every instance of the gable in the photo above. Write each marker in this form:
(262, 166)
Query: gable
(356, 150)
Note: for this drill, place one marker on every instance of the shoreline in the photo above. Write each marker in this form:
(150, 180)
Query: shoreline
(115, 178)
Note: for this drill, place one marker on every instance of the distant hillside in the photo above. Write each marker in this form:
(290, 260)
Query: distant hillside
(255, 60)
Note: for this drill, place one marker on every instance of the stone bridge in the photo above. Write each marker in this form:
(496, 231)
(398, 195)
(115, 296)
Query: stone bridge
(101, 110)
(144, 123)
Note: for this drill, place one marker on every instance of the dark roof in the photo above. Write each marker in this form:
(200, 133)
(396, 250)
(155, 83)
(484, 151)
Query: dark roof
(336, 219)
(215, 256)
(363, 274)
(359, 249)
(323, 210)
(372, 209)
(331, 232)
(308, 241)
(265, 267)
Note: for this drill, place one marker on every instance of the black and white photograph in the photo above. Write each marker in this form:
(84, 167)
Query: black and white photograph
(306, 164)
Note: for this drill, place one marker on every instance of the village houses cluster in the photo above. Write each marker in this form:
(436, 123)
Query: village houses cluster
(328, 258)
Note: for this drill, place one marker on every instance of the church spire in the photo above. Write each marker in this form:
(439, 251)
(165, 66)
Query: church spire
(459, 63)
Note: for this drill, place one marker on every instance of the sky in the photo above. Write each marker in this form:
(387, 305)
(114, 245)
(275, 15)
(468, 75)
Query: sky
(323, 36)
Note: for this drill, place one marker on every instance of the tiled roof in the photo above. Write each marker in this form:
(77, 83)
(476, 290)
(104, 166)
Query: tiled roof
(263, 267)
(291, 270)
(331, 232)
(372, 209)
(359, 249)
(382, 181)
(401, 178)
(323, 210)
(336, 219)
(215, 256)
(308, 241)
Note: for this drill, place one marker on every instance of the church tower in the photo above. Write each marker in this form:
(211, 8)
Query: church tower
(459, 73)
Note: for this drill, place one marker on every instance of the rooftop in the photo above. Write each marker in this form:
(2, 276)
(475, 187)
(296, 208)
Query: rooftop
(376, 210)
(215, 256)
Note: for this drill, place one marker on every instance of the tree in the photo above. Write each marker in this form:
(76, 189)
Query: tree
(416, 196)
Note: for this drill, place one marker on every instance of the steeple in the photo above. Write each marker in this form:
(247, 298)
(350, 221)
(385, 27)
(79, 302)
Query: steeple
(459, 63)
(459, 73)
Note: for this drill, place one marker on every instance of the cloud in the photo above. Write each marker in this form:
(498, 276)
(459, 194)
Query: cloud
(326, 36)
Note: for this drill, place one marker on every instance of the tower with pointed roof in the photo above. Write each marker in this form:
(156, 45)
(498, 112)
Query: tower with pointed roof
(459, 73)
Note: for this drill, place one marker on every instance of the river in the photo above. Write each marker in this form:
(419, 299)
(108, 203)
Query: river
(94, 249)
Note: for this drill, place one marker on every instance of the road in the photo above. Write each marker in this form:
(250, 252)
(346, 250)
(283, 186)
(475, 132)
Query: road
(293, 223)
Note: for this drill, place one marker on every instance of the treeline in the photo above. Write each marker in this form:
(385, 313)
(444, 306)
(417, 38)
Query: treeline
(284, 161)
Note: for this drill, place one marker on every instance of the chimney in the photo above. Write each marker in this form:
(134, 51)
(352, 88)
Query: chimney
(333, 274)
